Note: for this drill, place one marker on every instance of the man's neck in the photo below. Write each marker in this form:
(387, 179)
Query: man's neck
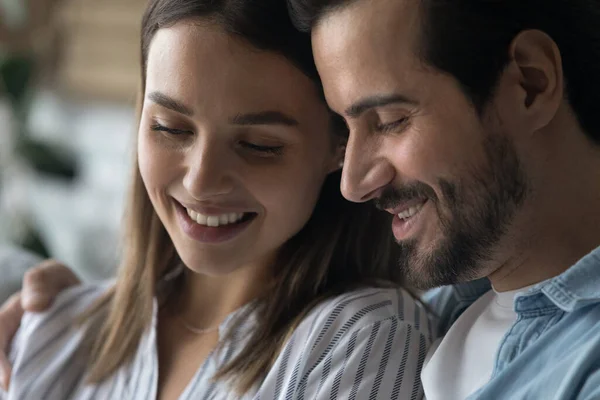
(561, 222)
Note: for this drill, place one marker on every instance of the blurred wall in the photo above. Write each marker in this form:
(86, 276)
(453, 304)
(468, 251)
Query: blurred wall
(83, 101)
(99, 53)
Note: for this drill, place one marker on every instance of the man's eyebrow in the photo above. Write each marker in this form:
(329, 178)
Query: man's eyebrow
(170, 103)
(264, 118)
(368, 103)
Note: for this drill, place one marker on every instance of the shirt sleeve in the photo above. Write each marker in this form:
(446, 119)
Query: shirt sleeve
(379, 361)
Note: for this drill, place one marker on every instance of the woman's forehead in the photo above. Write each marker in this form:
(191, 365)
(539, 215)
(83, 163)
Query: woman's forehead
(204, 67)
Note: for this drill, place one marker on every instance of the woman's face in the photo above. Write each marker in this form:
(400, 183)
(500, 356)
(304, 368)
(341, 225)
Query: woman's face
(233, 147)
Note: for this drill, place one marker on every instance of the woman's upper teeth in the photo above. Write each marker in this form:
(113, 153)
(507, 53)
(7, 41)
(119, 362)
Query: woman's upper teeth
(214, 220)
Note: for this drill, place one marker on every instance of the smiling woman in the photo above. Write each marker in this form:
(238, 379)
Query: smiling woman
(245, 274)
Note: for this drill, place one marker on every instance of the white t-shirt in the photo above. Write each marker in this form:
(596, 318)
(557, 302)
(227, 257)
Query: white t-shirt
(463, 361)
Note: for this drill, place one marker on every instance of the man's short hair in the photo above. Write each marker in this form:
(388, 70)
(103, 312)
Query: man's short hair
(470, 40)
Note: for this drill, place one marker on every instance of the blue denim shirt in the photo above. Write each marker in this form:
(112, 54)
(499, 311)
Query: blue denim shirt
(553, 349)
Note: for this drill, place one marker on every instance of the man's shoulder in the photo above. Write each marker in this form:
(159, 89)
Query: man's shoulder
(551, 354)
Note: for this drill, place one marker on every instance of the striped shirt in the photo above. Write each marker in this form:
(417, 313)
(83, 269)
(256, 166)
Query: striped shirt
(366, 344)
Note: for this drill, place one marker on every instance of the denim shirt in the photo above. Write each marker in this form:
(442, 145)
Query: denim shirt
(552, 351)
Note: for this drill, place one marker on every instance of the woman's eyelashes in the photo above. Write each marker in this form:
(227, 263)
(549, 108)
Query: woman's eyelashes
(255, 148)
(260, 149)
(156, 127)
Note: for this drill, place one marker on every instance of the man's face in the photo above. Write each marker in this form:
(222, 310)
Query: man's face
(417, 146)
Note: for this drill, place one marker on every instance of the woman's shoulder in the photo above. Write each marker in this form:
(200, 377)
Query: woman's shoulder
(365, 307)
(59, 322)
(367, 343)
(68, 305)
(45, 351)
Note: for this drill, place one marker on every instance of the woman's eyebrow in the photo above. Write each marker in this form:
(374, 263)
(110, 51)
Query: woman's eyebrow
(258, 118)
(168, 102)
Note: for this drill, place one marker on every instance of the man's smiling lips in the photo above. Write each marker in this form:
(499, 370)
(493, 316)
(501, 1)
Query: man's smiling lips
(406, 217)
(407, 209)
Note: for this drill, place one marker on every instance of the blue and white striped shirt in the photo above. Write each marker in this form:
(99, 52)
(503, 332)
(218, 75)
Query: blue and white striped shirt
(366, 344)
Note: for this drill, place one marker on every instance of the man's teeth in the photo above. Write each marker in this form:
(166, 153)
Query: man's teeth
(215, 220)
(410, 212)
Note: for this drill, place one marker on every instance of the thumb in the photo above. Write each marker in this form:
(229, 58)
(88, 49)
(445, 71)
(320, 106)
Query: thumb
(44, 282)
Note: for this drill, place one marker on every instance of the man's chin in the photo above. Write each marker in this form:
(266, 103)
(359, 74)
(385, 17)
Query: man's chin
(416, 265)
(426, 270)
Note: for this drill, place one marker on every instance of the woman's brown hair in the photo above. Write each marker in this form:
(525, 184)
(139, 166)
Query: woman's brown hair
(342, 247)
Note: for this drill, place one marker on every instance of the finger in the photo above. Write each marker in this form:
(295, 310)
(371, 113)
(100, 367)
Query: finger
(5, 372)
(44, 282)
(10, 320)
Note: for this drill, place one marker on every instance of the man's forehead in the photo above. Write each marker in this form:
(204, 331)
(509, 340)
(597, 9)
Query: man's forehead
(367, 32)
(366, 47)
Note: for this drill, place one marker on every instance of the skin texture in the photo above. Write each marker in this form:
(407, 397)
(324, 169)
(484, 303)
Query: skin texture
(493, 186)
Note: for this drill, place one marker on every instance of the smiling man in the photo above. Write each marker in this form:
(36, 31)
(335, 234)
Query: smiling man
(475, 123)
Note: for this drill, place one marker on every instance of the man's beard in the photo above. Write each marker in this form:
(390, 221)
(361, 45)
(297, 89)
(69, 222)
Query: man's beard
(475, 213)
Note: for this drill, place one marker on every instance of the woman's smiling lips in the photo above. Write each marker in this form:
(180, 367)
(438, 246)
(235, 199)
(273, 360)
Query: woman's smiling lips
(212, 225)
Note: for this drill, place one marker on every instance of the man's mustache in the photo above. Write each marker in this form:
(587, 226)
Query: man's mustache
(391, 196)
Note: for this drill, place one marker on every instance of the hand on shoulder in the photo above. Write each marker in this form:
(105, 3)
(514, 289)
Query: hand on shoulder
(41, 285)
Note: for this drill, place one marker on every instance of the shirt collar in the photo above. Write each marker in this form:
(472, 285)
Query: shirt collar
(236, 326)
(577, 287)
(471, 291)
(240, 323)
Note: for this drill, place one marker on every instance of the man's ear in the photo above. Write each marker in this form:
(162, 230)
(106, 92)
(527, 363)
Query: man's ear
(537, 63)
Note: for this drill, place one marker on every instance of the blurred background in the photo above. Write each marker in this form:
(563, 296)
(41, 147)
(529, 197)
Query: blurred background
(69, 72)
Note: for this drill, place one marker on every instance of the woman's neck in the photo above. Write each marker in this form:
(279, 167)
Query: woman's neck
(206, 301)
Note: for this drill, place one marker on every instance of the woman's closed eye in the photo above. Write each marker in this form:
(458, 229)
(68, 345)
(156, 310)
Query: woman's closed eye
(156, 127)
(257, 149)
(261, 150)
